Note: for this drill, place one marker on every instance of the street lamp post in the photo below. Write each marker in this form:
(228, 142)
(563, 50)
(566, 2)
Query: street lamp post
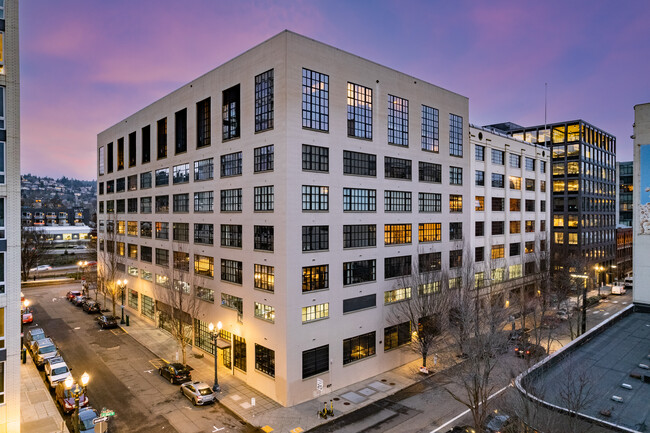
(77, 392)
(215, 387)
(122, 285)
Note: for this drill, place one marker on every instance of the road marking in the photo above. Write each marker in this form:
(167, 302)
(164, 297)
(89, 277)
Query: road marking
(149, 371)
(606, 313)
(467, 411)
(78, 327)
(216, 429)
(616, 302)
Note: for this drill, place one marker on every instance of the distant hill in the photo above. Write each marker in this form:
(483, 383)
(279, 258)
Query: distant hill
(46, 192)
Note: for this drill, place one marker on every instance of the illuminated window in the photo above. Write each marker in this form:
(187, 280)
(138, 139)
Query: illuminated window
(559, 133)
(359, 347)
(398, 120)
(573, 168)
(315, 278)
(359, 111)
(515, 205)
(558, 186)
(204, 265)
(455, 203)
(530, 226)
(264, 277)
(315, 312)
(429, 288)
(515, 182)
(315, 100)
(120, 227)
(558, 221)
(498, 274)
(559, 151)
(572, 221)
(397, 335)
(572, 150)
(430, 129)
(529, 247)
(515, 271)
(515, 227)
(479, 280)
(120, 249)
(559, 238)
(429, 232)
(265, 312)
(396, 295)
(498, 252)
(479, 203)
(133, 252)
(573, 238)
(132, 228)
(573, 185)
(530, 184)
(573, 132)
(395, 234)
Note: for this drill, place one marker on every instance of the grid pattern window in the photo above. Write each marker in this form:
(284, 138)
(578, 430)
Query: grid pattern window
(455, 135)
(264, 101)
(181, 173)
(315, 312)
(498, 227)
(397, 201)
(204, 234)
(515, 205)
(359, 164)
(264, 277)
(497, 252)
(239, 352)
(162, 177)
(479, 152)
(430, 131)
(180, 119)
(479, 203)
(231, 235)
(204, 169)
(398, 120)
(133, 299)
(181, 232)
(515, 249)
(359, 200)
(515, 182)
(263, 238)
(132, 183)
(315, 361)
(132, 251)
(397, 266)
(455, 259)
(455, 231)
(530, 205)
(359, 111)
(110, 187)
(263, 158)
(455, 203)
(162, 230)
(204, 201)
(498, 180)
(397, 335)
(515, 227)
(479, 254)
(100, 158)
(132, 205)
(203, 132)
(359, 236)
(148, 307)
(397, 168)
(530, 184)
(397, 295)
(204, 265)
(315, 238)
(315, 158)
(162, 257)
(429, 262)
(315, 198)
(145, 180)
(455, 175)
(231, 270)
(428, 172)
(479, 228)
(479, 178)
(315, 278)
(120, 206)
(361, 271)
(145, 229)
(181, 203)
(515, 161)
(231, 164)
(264, 360)
(120, 184)
(264, 312)
(529, 164)
(498, 157)
(231, 200)
(162, 138)
(162, 204)
(315, 100)
(263, 198)
(359, 347)
(132, 228)
(396, 234)
(205, 294)
(230, 113)
(429, 232)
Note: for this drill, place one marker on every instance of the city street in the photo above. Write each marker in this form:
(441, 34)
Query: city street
(123, 375)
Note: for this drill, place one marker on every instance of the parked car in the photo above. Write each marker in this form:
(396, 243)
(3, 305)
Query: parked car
(91, 306)
(462, 429)
(519, 335)
(199, 393)
(563, 314)
(27, 314)
(498, 423)
(628, 283)
(175, 372)
(526, 350)
(72, 294)
(43, 350)
(41, 268)
(86, 417)
(65, 398)
(79, 300)
(33, 334)
(106, 322)
(56, 370)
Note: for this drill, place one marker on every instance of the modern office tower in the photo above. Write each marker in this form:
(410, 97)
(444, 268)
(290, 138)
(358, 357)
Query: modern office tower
(510, 186)
(624, 177)
(10, 300)
(311, 180)
(584, 194)
(641, 227)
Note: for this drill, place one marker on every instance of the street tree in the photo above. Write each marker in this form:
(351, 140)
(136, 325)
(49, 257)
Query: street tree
(110, 263)
(34, 246)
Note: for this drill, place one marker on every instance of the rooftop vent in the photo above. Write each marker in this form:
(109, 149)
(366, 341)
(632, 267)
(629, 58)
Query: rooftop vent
(626, 386)
(617, 399)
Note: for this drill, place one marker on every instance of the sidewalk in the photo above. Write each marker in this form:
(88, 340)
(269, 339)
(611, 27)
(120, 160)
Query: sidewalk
(38, 413)
(266, 413)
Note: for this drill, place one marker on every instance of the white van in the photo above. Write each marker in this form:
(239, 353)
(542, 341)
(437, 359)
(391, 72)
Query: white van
(629, 283)
(618, 290)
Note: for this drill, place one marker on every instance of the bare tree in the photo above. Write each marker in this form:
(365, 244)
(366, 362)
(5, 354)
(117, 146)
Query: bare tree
(178, 291)
(421, 300)
(110, 261)
(34, 245)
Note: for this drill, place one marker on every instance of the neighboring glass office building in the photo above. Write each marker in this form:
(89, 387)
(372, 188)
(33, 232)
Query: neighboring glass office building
(584, 191)
(625, 170)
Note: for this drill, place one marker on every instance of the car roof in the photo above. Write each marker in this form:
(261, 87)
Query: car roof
(56, 360)
(198, 384)
(36, 331)
(45, 342)
(177, 365)
(87, 412)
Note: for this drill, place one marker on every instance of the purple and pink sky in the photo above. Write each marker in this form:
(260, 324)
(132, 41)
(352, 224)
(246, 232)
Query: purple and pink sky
(87, 64)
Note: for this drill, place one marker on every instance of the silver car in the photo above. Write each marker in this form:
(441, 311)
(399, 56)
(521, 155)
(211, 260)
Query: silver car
(199, 393)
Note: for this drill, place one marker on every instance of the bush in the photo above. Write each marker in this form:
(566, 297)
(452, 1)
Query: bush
(592, 300)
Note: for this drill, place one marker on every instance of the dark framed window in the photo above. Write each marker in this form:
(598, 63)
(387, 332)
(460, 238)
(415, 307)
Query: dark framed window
(529, 164)
(162, 257)
(204, 234)
(361, 271)
(359, 111)
(181, 173)
(162, 138)
(455, 175)
(263, 238)
(429, 262)
(182, 261)
(359, 236)
(145, 205)
(120, 206)
(101, 188)
(497, 180)
(479, 254)
(455, 231)
(132, 205)
(359, 200)
(315, 361)
(498, 227)
(397, 168)
(315, 158)
(132, 150)
(479, 178)
(145, 180)
(430, 140)
(315, 100)
(120, 153)
(479, 152)
(479, 228)
(315, 238)
(162, 230)
(264, 277)
(455, 258)
(359, 347)
(231, 270)
(231, 164)
(132, 182)
(530, 205)
(428, 172)
(359, 303)
(315, 278)
(110, 186)
(265, 360)
(204, 169)
(180, 123)
(146, 254)
(498, 157)
(239, 352)
(231, 200)
(109, 157)
(397, 201)
(397, 266)
(120, 185)
(231, 235)
(181, 232)
(162, 204)
(397, 234)
(455, 135)
(515, 249)
(515, 161)
(162, 177)
(145, 229)
(146, 144)
(263, 158)
(264, 101)
(397, 335)
(398, 120)
(429, 232)
(263, 198)
(359, 164)
(230, 113)
(204, 201)
(530, 184)
(315, 198)
(203, 126)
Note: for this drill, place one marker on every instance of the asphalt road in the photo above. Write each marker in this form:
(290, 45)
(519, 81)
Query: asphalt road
(122, 373)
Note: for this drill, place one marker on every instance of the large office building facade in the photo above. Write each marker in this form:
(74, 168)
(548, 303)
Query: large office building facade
(624, 199)
(9, 219)
(300, 185)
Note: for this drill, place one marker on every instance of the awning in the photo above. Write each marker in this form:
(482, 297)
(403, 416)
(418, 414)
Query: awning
(222, 344)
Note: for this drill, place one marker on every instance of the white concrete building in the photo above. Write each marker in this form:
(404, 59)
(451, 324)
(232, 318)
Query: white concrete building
(9, 219)
(641, 221)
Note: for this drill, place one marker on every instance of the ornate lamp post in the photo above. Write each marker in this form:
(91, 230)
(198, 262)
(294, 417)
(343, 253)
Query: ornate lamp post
(77, 392)
(122, 285)
(215, 387)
